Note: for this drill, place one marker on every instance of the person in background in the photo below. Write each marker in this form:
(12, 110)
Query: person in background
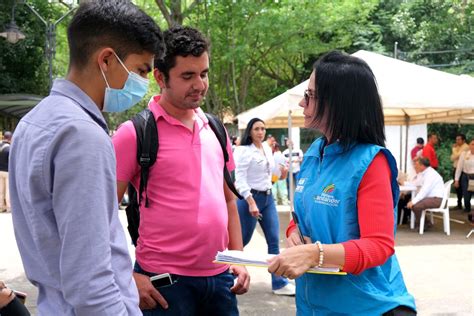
(270, 140)
(429, 150)
(280, 173)
(4, 155)
(296, 159)
(253, 179)
(62, 166)
(345, 200)
(404, 198)
(431, 189)
(235, 142)
(418, 149)
(10, 305)
(465, 175)
(459, 147)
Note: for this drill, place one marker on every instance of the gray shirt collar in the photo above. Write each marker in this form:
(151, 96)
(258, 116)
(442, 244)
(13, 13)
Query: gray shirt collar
(68, 89)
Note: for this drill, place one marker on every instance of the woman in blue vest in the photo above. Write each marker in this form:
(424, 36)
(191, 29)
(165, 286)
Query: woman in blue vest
(345, 200)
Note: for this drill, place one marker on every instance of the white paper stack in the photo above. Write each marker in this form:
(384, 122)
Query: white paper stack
(256, 259)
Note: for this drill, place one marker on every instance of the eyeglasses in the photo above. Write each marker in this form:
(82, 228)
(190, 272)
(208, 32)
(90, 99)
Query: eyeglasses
(308, 94)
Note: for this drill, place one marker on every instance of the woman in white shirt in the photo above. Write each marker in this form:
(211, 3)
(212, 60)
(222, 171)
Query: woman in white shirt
(464, 173)
(253, 172)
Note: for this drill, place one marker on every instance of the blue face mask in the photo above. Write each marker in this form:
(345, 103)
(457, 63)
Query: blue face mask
(118, 100)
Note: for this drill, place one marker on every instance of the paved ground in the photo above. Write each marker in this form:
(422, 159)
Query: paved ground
(438, 270)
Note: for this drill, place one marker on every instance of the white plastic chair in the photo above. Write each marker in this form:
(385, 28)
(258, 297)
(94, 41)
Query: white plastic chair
(444, 209)
(470, 233)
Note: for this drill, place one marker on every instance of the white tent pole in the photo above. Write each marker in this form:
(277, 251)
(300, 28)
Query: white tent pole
(403, 164)
(401, 148)
(407, 122)
(290, 155)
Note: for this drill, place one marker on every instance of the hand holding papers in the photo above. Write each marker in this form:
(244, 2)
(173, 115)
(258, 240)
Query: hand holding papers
(236, 257)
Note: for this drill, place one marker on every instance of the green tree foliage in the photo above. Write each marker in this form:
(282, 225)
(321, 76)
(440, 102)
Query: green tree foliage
(260, 48)
(23, 65)
(270, 45)
(436, 32)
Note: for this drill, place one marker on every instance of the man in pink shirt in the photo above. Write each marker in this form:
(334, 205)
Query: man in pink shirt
(192, 213)
(418, 149)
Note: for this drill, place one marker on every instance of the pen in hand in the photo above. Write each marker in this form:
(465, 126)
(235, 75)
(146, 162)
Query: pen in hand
(297, 223)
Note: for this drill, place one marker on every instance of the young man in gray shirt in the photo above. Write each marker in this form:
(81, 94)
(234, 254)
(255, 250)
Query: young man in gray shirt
(62, 166)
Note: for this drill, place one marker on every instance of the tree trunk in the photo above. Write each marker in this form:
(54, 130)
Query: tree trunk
(174, 15)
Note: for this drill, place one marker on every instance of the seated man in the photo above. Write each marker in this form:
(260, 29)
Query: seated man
(405, 196)
(431, 191)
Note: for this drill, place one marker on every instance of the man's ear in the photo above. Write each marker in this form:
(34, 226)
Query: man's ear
(105, 57)
(160, 78)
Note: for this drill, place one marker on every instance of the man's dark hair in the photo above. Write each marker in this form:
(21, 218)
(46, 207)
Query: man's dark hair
(420, 141)
(423, 161)
(463, 137)
(348, 100)
(180, 41)
(7, 135)
(246, 138)
(431, 135)
(118, 24)
(234, 140)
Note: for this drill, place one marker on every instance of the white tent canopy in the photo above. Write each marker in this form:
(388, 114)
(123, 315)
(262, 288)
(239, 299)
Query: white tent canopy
(411, 94)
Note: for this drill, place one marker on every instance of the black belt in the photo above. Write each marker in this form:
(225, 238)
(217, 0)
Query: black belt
(266, 192)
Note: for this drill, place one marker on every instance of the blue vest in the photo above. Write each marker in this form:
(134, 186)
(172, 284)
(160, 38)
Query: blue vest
(326, 204)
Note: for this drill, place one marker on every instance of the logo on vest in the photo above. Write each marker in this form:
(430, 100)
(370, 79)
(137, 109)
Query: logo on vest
(326, 197)
(300, 185)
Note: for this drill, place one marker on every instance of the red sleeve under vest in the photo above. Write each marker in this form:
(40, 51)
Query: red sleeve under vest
(376, 220)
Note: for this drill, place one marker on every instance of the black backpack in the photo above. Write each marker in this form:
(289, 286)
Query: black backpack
(147, 151)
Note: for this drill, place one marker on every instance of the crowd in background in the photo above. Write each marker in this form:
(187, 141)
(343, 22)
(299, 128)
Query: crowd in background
(429, 183)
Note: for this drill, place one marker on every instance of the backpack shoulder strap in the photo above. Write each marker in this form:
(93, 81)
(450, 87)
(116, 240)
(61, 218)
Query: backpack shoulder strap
(219, 129)
(147, 147)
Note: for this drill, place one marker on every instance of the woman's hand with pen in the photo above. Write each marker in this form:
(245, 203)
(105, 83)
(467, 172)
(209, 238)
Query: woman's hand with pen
(295, 240)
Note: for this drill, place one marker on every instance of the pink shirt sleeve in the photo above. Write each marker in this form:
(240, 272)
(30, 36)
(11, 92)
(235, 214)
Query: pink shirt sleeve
(125, 144)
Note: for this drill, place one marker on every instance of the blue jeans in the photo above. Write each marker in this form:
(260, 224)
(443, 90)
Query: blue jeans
(196, 296)
(269, 224)
(467, 195)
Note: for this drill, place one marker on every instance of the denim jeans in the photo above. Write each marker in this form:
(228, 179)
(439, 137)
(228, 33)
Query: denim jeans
(467, 195)
(269, 224)
(191, 296)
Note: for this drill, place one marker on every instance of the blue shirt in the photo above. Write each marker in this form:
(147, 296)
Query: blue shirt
(64, 208)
